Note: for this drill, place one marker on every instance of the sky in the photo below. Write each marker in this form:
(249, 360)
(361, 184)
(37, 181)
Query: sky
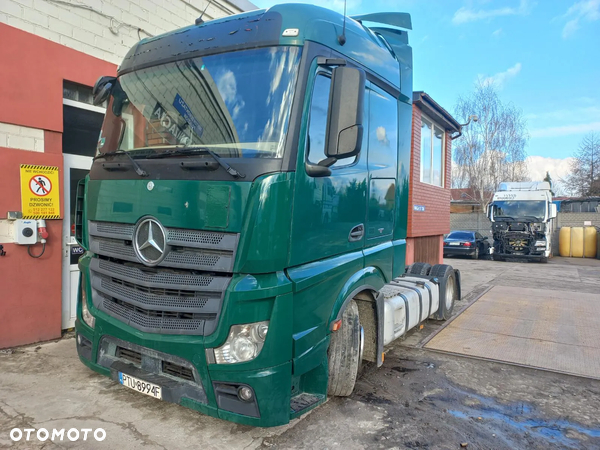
(543, 56)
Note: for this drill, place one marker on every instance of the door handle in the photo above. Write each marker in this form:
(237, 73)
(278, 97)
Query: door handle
(356, 233)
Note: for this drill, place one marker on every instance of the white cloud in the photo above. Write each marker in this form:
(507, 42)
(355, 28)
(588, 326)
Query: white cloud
(465, 15)
(565, 130)
(500, 79)
(581, 11)
(497, 33)
(539, 165)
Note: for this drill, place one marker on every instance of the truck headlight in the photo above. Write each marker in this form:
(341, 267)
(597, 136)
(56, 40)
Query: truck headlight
(540, 243)
(244, 343)
(85, 312)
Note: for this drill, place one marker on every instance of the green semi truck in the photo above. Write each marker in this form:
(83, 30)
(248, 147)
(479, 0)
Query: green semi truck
(244, 219)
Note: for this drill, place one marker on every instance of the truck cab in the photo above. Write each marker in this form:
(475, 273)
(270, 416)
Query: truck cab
(522, 216)
(245, 216)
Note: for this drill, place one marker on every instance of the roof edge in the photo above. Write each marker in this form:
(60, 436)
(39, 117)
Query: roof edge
(423, 99)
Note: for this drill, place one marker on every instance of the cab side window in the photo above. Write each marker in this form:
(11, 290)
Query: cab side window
(317, 125)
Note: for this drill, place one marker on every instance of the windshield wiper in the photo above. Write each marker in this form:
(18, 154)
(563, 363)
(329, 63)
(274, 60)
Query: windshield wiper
(198, 151)
(504, 217)
(141, 172)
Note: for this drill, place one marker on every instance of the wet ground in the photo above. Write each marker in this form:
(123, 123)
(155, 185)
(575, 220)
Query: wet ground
(418, 399)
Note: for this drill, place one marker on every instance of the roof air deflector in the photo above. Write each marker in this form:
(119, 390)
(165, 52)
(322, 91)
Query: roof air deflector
(396, 19)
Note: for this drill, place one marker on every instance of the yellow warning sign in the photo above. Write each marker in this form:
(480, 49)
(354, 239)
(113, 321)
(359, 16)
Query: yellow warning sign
(40, 193)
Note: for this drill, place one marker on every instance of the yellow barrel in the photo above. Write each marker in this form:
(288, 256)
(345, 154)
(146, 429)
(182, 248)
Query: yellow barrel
(577, 242)
(564, 241)
(589, 242)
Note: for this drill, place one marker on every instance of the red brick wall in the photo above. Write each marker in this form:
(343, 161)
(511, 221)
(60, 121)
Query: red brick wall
(32, 72)
(435, 220)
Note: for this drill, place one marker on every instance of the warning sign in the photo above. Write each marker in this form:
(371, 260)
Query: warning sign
(40, 197)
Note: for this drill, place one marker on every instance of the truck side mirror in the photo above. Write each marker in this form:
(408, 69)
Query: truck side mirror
(345, 117)
(553, 211)
(102, 89)
(488, 211)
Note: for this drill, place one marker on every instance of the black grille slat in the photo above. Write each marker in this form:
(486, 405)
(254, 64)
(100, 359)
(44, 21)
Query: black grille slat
(176, 370)
(129, 355)
(155, 321)
(157, 298)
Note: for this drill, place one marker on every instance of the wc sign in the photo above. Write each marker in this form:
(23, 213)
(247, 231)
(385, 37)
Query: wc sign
(40, 196)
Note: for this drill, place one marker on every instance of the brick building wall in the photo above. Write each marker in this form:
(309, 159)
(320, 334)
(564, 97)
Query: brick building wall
(107, 29)
(435, 220)
(43, 44)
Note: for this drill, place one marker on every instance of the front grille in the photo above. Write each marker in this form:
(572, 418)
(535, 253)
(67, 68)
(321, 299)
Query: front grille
(182, 295)
(153, 321)
(188, 249)
(177, 370)
(129, 355)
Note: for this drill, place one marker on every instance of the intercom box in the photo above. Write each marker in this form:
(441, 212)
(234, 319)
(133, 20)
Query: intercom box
(25, 231)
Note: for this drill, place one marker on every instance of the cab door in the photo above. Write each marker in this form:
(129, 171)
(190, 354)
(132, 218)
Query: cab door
(382, 165)
(329, 213)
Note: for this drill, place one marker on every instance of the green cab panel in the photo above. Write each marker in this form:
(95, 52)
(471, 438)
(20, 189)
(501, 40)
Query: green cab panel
(198, 205)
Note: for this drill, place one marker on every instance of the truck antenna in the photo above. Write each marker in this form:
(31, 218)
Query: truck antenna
(342, 37)
(199, 19)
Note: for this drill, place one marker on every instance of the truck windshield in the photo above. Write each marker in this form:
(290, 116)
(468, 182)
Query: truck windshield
(516, 209)
(235, 104)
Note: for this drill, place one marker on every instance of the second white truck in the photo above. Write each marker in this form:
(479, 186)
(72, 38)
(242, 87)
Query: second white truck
(523, 221)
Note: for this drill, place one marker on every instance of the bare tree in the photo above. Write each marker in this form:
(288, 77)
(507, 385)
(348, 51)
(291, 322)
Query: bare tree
(492, 149)
(584, 178)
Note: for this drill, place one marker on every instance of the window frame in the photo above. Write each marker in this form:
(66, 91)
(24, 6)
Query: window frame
(434, 125)
(327, 73)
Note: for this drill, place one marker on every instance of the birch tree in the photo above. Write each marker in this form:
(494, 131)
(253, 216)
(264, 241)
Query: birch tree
(584, 177)
(491, 150)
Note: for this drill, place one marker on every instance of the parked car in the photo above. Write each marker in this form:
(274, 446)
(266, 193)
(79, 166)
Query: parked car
(466, 243)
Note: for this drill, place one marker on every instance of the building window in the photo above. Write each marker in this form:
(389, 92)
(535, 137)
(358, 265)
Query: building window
(432, 153)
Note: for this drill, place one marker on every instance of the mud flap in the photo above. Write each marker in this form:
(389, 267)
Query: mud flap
(458, 287)
(380, 321)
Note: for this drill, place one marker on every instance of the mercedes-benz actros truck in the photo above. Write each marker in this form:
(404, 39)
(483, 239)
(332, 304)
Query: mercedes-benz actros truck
(245, 216)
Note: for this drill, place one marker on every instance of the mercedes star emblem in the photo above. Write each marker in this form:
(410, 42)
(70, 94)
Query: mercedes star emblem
(150, 241)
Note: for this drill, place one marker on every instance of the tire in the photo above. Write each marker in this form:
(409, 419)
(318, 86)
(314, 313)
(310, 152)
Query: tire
(418, 268)
(544, 259)
(476, 254)
(344, 354)
(448, 290)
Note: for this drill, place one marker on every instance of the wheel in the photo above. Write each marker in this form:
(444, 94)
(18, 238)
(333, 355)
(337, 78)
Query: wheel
(448, 290)
(476, 254)
(544, 259)
(418, 268)
(345, 353)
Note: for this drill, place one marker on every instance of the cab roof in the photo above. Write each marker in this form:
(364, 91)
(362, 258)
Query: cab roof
(383, 50)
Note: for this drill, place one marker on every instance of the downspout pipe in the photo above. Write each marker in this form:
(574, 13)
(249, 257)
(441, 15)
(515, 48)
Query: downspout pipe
(473, 117)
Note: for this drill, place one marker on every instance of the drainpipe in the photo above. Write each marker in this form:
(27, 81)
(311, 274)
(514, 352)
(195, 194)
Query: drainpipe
(473, 117)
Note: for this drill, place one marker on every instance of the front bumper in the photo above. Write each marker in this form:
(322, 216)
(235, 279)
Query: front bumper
(193, 383)
(529, 257)
(459, 251)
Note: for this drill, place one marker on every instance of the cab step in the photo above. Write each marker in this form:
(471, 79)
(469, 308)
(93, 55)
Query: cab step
(304, 401)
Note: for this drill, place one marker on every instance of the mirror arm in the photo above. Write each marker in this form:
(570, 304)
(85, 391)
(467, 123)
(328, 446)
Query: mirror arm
(327, 162)
(317, 170)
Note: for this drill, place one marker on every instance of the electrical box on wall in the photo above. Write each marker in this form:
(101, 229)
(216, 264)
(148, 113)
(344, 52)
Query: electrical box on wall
(25, 232)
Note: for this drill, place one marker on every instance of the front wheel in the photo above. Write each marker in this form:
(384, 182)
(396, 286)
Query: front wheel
(345, 353)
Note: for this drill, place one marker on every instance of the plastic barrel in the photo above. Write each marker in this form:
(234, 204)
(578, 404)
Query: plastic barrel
(589, 242)
(564, 242)
(577, 242)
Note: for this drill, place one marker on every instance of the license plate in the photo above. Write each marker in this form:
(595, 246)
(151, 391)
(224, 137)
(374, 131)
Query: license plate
(142, 386)
(454, 243)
